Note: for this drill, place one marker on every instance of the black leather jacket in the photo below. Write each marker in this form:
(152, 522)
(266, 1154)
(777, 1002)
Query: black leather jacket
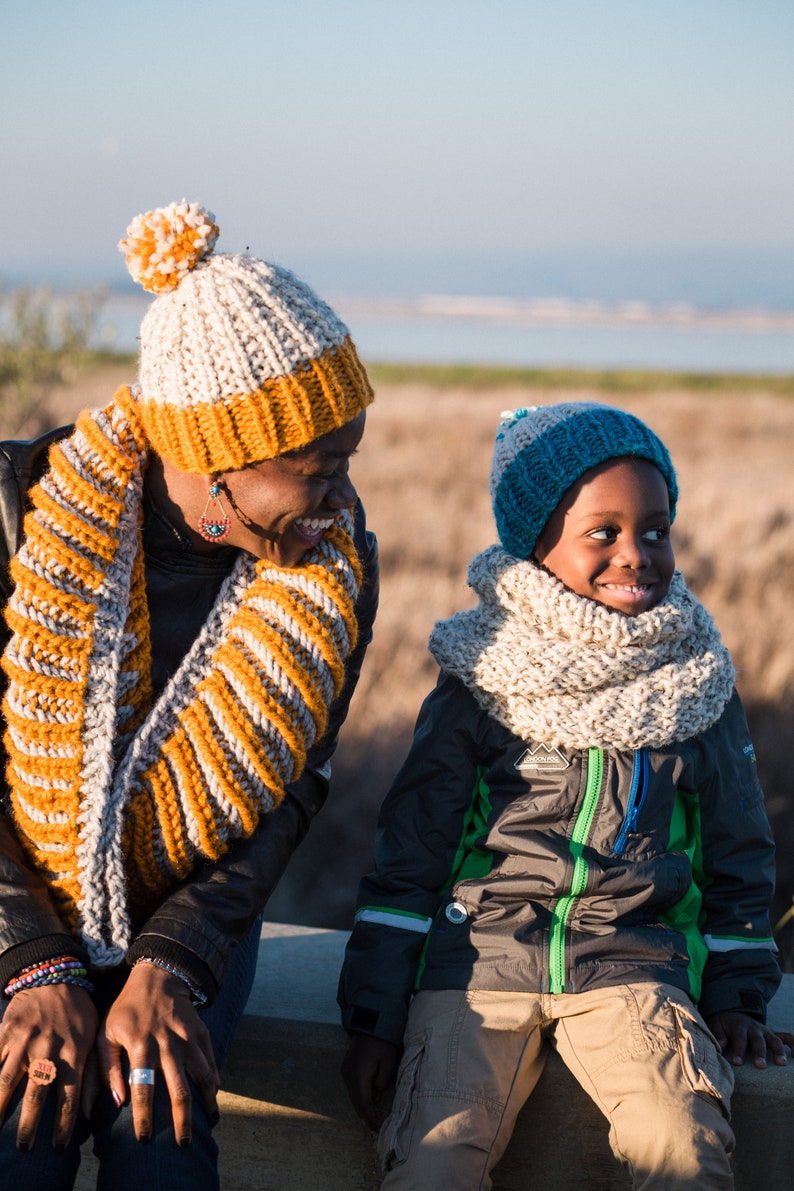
(201, 919)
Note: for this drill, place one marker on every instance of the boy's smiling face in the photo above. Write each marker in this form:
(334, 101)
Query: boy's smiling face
(609, 537)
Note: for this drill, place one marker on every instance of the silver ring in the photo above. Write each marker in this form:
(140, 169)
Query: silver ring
(141, 1075)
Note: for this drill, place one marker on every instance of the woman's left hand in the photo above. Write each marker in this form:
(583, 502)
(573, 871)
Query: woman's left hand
(154, 1021)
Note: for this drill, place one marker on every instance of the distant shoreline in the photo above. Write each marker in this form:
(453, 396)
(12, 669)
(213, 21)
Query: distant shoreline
(528, 334)
(543, 310)
(537, 333)
(566, 312)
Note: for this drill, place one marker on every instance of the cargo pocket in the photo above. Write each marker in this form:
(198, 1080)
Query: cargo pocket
(704, 1068)
(394, 1139)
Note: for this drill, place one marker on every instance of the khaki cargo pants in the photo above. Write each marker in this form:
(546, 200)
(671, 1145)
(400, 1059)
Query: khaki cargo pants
(642, 1052)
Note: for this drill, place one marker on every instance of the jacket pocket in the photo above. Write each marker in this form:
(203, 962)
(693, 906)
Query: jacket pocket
(704, 1068)
(394, 1139)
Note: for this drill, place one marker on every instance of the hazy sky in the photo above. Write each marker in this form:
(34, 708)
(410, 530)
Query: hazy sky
(314, 129)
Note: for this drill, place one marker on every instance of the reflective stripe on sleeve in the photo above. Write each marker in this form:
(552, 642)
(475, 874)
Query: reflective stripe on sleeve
(396, 918)
(728, 943)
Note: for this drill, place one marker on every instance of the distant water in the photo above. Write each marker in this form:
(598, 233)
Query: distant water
(681, 348)
(539, 334)
(682, 309)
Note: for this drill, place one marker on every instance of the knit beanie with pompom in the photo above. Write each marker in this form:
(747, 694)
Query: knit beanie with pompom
(541, 452)
(240, 360)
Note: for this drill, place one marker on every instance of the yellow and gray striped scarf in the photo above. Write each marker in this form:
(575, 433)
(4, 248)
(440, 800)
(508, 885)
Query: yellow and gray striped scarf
(114, 797)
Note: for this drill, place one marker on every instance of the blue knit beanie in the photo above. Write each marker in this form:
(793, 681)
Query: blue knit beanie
(542, 451)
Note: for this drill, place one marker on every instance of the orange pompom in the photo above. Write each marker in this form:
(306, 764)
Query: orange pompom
(162, 246)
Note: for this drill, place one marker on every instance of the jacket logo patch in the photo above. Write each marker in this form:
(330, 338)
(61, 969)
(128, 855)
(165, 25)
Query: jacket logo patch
(541, 759)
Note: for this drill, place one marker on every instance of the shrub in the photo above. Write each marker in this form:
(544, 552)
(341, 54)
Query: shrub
(44, 341)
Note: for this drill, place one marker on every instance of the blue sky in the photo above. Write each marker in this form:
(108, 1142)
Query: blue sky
(399, 129)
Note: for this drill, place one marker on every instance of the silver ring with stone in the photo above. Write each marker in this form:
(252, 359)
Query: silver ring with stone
(141, 1075)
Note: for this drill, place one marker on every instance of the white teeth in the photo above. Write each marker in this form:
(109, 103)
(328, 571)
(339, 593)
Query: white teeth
(315, 523)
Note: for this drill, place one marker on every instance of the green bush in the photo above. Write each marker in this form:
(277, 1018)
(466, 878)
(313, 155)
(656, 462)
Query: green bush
(44, 341)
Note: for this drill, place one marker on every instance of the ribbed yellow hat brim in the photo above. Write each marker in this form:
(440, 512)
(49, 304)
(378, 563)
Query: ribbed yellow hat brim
(287, 412)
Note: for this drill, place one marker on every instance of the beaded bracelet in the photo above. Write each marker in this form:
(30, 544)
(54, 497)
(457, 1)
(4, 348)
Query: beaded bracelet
(198, 997)
(65, 969)
(67, 961)
(62, 978)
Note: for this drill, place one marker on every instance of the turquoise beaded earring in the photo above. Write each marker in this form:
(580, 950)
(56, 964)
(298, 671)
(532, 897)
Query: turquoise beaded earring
(214, 524)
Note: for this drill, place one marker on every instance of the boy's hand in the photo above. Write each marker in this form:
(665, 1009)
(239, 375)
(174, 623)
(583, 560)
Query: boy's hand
(368, 1069)
(740, 1035)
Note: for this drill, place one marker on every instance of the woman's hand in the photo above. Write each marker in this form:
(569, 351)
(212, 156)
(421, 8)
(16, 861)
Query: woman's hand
(154, 1021)
(56, 1023)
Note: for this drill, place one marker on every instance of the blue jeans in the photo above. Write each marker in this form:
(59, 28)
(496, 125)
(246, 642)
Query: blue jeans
(124, 1163)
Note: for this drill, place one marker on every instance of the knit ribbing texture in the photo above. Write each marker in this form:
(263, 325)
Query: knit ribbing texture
(560, 669)
(541, 451)
(116, 799)
(242, 362)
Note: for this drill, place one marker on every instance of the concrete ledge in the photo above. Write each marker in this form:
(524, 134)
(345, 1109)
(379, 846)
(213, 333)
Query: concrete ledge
(286, 1123)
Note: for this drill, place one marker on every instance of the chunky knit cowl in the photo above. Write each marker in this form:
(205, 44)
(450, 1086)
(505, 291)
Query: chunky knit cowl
(116, 797)
(564, 670)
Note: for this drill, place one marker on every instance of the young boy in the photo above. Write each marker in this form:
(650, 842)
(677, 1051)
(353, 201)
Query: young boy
(575, 853)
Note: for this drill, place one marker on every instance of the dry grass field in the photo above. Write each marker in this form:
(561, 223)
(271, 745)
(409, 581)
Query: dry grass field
(422, 472)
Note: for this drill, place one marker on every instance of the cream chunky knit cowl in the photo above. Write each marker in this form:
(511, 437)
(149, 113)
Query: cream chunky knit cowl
(564, 670)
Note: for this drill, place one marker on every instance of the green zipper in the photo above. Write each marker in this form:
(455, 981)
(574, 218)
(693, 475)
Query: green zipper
(581, 829)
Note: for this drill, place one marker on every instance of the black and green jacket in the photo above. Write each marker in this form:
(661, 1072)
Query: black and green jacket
(502, 864)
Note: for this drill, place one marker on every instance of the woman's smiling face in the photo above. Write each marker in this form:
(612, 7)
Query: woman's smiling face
(281, 508)
(609, 538)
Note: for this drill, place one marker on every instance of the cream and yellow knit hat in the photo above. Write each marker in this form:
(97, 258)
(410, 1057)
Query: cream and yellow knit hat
(239, 359)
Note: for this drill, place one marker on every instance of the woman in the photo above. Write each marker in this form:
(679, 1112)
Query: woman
(189, 605)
